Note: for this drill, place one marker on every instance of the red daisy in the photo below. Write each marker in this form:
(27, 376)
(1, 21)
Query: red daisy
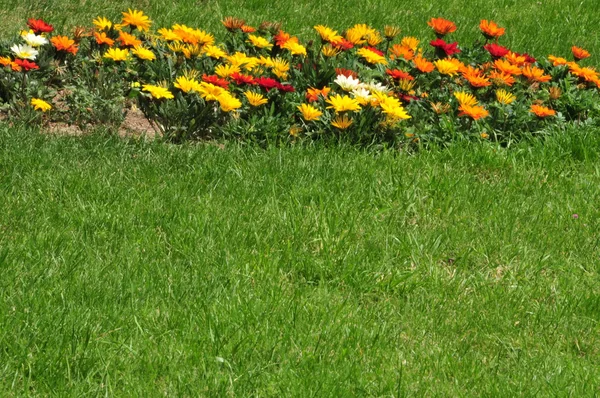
(216, 80)
(497, 51)
(39, 26)
(25, 64)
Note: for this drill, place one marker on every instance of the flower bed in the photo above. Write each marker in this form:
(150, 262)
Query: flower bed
(263, 83)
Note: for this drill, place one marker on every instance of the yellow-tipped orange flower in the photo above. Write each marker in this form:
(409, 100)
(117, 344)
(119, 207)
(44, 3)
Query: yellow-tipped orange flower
(579, 53)
(442, 26)
(490, 29)
(475, 112)
(557, 61)
(542, 111)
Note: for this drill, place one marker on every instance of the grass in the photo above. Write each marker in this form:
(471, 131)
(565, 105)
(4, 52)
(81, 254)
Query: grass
(133, 268)
(144, 269)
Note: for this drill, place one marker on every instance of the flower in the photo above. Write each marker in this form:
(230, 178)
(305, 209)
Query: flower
(39, 26)
(34, 40)
(101, 38)
(401, 51)
(209, 91)
(465, 98)
(475, 112)
(129, 40)
(410, 42)
(157, 92)
(557, 61)
(362, 95)
(137, 19)
(475, 77)
(542, 111)
(40, 105)
(391, 31)
(327, 34)
(280, 67)
(63, 43)
(555, 92)
(228, 102)
(5, 61)
(232, 24)
(342, 122)
(255, 99)
(496, 51)
(214, 79)
(312, 94)
(248, 29)
(504, 97)
(343, 103)
(143, 53)
(309, 112)
(187, 84)
(588, 74)
(535, 74)
(446, 67)
(214, 51)
(506, 67)
(226, 70)
(371, 55)
(579, 53)
(25, 64)
(423, 64)
(490, 29)
(294, 47)
(117, 54)
(501, 78)
(391, 106)
(346, 83)
(259, 42)
(24, 51)
(102, 23)
(516, 58)
(442, 26)
(329, 51)
(447, 48)
(399, 74)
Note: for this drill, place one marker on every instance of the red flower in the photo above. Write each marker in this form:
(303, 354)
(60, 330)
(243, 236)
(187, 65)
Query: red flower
(286, 88)
(448, 48)
(343, 44)
(496, 50)
(408, 98)
(346, 72)
(281, 38)
(25, 64)
(267, 83)
(39, 26)
(242, 79)
(216, 80)
(399, 74)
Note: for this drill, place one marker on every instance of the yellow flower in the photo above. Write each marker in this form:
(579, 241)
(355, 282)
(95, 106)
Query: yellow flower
(259, 42)
(137, 19)
(391, 31)
(228, 102)
(214, 51)
(328, 34)
(102, 23)
(186, 84)
(210, 92)
(465, 98)
(504, 97)
(371, 56)
(226, 70)
(117, 54)
(168, 35)
(446, 67)
(395, 112)
(157, 91)
(294, 47)
(329, 51)
(280, 68)
(309, 112)
(143, 53)
(255, 99)
(342, 103)
(342, 122)
(40, 105)
(410, 42)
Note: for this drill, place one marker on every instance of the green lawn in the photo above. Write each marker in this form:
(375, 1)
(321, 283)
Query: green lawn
(132, 268)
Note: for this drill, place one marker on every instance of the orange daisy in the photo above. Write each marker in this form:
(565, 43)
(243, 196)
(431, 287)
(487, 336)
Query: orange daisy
(475, 77)
(542, 111)
(506, 67)
(101, 38)
(557, 61)
(400, 51)
(442, 26)
(129, 40)
(63, 43)
(579, 53)
(475, 112)
(490, 29)
(423, 65)
(501, 78)
(137, 19)
(536, 74)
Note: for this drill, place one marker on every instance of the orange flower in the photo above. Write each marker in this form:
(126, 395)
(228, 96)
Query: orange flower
(101, 38)
(475, 112)
(129, 40)
(490, 29)
(442, 26)
(542, 111)
(423, 65)
(137, 19)
(506, 67)
(398, 74)
(588, 74)
(248, 29)
(515, 59)
(5, 61)
(312, 94)
(501, 78)
(63, 43)
(535, 74)
(232, 24)
(557, 61)
(475, 77)
(399, 51)
(579, 53)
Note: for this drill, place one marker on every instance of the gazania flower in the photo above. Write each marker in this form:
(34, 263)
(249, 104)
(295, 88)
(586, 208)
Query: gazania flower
(555, 92)
(342, 44)
(281, 37)
(587, 73)
(534, 74)
(579, 53)
(391, 31)
(232, 24)
(102, 23)
(40, 105)
(294, 47)
(401, 51)
(392, 108)
(516, 58)
(342, 122)
(465, 98)
(371, 56)
(255, 99)
(168, 34)
(343, 103)
(347, 83)
(423, 65)
(129, 40)
(490, 30)
(34, 40)
(506, 67)
(5, 61)
(398, 74)
(25, 64)
(209, 91)
(240, 79)
(410, 42)
(228, 102)
(504, 97)
(501, 78)
(39, 26)
(442, 26)
(24, 51)
(214, 52)
(475, 112)
(496, 51)
(157, 92)
(186, 84)
(541, 111)
(248, 29)
(362, 95)
(117, 54)
(101, 38)
(259, 42)
(137, 19)
(143, 53)
(63, 43)
(475, 77)
(329, 51)
(309, 112)
(327, 34)
(557, 61)
(280, 68)
(440, 108)
(446, 67)
(215, 80)
(226, 70)
(448, 49)
(312, 94)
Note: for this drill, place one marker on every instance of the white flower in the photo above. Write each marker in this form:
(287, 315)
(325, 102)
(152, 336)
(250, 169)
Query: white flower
(34, 40)
(24, 51)
(362, 94)
(347, 83)
(378, 87)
